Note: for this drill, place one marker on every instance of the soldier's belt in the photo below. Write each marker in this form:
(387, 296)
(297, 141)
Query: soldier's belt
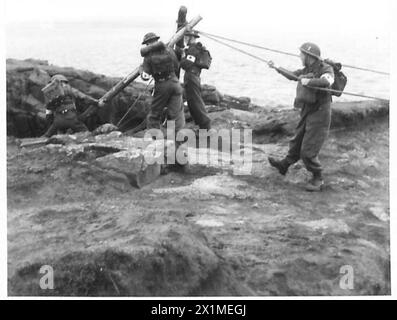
(66, 110)
(162, 78)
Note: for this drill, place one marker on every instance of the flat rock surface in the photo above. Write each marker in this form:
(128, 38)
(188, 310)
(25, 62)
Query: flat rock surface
(208, 231)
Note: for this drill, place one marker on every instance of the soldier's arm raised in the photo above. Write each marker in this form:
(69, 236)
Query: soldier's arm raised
(78, 95)
(290, 75)
(286, 73)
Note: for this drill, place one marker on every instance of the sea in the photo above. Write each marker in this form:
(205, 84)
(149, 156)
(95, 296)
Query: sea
(112, 47)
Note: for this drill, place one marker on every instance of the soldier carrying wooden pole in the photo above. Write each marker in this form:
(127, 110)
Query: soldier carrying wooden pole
(136, 72)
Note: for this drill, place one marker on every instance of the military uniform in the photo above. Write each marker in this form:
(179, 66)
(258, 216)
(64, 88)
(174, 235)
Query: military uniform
(65, 113)
(313, 127)
(192, 64)
(163, 65)
(315, 104)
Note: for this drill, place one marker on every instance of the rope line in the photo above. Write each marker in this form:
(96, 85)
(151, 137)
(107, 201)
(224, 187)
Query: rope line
(266, 61)
(284, 52)
(235, 48)
(248, 44)
(350, 93)
(135, 102)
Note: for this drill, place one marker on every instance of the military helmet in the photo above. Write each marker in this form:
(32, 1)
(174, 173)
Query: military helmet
(192, 33)
(311, 49)
(59, 77)
(150, 36)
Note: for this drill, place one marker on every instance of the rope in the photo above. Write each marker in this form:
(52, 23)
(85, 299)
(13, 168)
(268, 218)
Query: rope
(284, 52)
(248, 44)
(366, 69)
(337, 91)
(349, 93)
(135, 102)
(266, 61)
(235, 48)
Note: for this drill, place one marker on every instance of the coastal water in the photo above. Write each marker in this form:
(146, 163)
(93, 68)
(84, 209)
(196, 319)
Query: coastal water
(112, 48)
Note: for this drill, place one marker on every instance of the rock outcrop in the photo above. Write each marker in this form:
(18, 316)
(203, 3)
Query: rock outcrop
(25, 101)
(25, 104)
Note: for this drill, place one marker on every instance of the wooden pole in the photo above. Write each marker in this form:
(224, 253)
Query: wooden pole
(135, 73)
(180, 23)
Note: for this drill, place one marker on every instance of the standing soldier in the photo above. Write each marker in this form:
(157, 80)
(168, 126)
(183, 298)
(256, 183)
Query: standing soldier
(161, 63)
(61, 104)
(195, 58)
(315, 120)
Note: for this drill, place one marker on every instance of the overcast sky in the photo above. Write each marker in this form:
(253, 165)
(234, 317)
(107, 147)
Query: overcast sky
(361, 15)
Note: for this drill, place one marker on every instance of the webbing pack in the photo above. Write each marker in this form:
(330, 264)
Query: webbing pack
(205, 59)
(340, 78)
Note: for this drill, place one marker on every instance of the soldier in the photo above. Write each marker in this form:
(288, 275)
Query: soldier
(315, 120)
(195, 57)
(161, 63)
(61, 109)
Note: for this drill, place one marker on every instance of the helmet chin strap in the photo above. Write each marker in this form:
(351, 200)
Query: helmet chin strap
(305, 61)
(309, 60)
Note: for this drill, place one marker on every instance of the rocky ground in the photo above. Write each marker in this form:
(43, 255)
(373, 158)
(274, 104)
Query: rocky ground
(111, 225)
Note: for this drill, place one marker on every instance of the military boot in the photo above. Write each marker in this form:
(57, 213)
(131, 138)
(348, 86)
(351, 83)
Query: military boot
(316, 183)
(280, 165)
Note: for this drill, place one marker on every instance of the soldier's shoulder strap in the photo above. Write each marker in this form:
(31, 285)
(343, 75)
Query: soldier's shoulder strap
(326, 68)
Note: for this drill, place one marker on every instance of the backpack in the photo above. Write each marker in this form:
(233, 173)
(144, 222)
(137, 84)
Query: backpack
(204, 56)
(340, 78)
(205, 59)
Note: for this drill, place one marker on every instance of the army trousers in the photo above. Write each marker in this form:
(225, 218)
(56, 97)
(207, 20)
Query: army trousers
(195, 102)
(310, 135)
(63, 122)
(167, 97)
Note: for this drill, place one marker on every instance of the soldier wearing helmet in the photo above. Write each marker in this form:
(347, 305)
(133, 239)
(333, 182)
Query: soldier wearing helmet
(150, 37)
(161, 63)
(195, 58)
(61, 101)
(315, 105)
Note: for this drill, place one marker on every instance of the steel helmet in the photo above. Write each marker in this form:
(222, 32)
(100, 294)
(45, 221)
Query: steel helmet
(150, 36)
(311, 49)
(59, 77)
(192, 33)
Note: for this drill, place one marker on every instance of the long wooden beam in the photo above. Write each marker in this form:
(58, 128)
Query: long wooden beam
(108, 96)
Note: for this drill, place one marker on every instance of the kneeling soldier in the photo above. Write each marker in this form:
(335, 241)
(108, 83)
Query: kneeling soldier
(315, 120)
(61, 106)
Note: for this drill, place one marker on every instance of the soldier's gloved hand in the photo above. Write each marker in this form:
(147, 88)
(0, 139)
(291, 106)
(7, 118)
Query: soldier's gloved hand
(305, 81)
(101, 103)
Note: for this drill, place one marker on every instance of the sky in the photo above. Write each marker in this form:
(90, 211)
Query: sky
(288, 15)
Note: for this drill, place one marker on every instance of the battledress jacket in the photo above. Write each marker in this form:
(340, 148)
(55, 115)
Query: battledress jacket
(321, 75)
